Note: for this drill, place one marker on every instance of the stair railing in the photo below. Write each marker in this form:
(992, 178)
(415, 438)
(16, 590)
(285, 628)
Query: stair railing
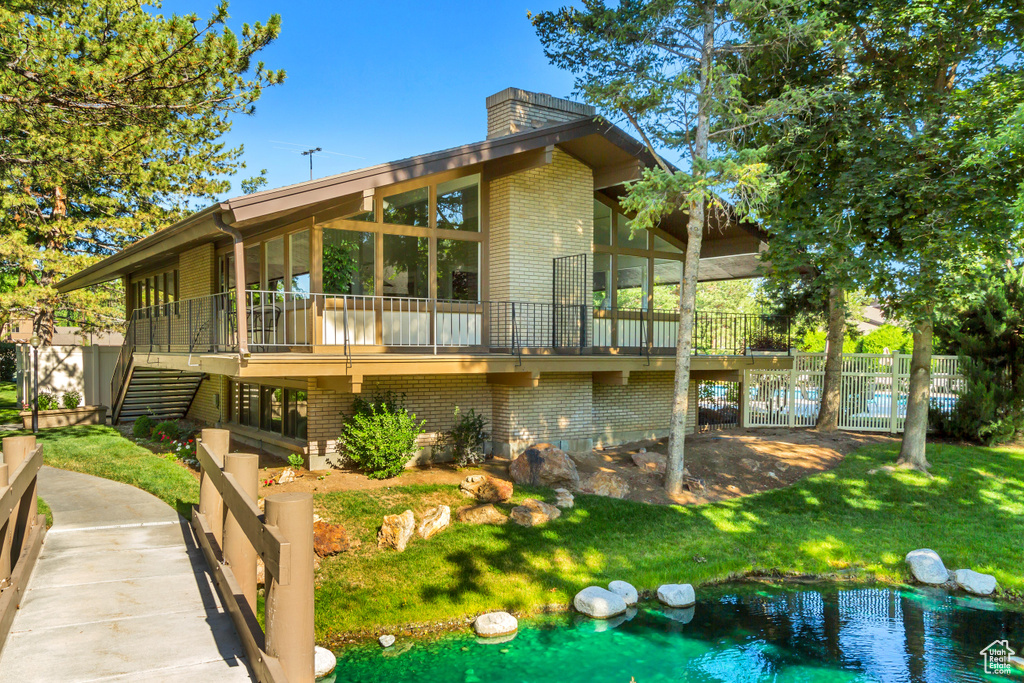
(124, 363)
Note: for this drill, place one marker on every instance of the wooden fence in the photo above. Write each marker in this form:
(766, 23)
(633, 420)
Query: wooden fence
(233, 533)
(23, 528)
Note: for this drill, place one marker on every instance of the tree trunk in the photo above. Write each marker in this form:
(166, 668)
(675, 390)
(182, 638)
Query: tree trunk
(828, 412)
(688, 292)
(915, 428)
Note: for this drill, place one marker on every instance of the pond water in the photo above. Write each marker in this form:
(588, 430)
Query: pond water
(734, 633)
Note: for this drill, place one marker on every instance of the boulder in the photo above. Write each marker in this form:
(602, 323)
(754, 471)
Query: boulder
(650, 462)
(625, 591)
(676, 594)
(329, 539)
(324, 661)
(926, 567)
(494, 624)
(544, 465)
(287, 477)
(435, 520)
(386, 641)
(975, 582)
(606, 484)
(599, 603)
(564, 498)
(480, 514)
(396, 530)
(533, 512)
(486, 489)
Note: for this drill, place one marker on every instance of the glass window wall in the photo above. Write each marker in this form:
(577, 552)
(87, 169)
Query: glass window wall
(458, 270)
(458, 204)
(406, 266)
(408, 208)
(348, 262)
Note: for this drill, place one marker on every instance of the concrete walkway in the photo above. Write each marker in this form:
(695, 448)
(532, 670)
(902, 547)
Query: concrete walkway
(120, 593)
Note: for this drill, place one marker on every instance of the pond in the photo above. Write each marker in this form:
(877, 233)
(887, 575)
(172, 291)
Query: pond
(734, 633)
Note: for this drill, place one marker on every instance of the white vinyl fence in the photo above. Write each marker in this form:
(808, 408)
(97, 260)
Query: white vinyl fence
(873, 394)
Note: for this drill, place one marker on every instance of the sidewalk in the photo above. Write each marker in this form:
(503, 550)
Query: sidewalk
(120, 593)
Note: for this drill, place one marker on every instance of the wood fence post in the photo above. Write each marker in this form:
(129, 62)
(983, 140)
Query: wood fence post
(239, 553)
(289, 609)
(211, 505)
(792, 396)
(6, 531)
(16, 450)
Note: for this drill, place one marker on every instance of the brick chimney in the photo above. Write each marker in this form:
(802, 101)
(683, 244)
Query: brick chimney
(515, 111)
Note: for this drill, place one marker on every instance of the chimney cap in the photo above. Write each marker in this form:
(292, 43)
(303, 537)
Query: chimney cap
(541, 100)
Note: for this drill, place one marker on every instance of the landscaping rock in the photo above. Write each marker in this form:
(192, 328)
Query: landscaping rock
(435, 520)
(396, 530)
(480, 514)
(926, 567)
(599, 603)
(533, 512)
(975, 582)
(495, 624)
(751, 465)
(486, 489)
(650, 462)
(329, 539)
(287, 477)
(625, 591)
(544, 465)
(564, 498)
(324, 661)
(606, 484)
(386, 641)
(676, 594)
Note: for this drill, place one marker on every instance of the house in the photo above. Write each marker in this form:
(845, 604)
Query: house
(499, 275)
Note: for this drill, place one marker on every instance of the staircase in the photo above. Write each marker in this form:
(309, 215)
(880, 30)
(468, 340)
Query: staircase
(161, 394)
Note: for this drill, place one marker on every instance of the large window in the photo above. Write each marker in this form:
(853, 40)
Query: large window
(668, 277)
(275, 264)
(602, 281)
(275, 409)
(348, 262)
(253, 267)
(458, 270)
(631, 282)
(155, 290)
(458, 204)
(298, 261)
(406, 266)
(408, 208)
(602, 224)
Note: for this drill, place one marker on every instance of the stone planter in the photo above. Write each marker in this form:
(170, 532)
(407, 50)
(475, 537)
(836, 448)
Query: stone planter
(62, 417)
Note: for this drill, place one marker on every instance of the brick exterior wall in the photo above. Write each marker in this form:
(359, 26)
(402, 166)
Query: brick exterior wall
(640, 409)
(558, 410)
(210, 404)
(514, 111)
(196, 272)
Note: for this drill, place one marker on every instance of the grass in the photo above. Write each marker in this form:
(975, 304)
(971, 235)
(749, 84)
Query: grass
(845, 522)
(103, 452)
(9, 408)
(44, 509)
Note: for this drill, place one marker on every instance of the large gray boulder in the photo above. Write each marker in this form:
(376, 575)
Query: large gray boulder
(495, 624)
(926, 567)
(975, 582)
(676, 594)
(599, 603)
(625, 591)
(544, 465)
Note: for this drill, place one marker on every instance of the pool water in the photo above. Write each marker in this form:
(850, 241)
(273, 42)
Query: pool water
(735, 633)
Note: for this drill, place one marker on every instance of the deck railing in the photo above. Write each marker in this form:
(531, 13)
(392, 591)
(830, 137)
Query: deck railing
(285, 321)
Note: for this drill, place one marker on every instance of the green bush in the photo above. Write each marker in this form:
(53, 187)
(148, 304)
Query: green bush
(71, 399)
(143, 427)
(295, 461)
(380, 437)
(8, 361)
(814, 342)
(887, 337)
(47, 401)
(168, 429)
(466, 438)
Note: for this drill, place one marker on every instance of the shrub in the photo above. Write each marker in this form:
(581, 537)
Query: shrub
(466, 438)
(168, 429)
(71, 399)
(814, 342)
(887, 337)
(380, 437)
(8, 361)
(142, 427)
(295, 461)
(47, 401)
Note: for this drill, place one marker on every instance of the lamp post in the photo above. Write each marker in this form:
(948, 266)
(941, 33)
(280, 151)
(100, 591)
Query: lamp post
(35, 341)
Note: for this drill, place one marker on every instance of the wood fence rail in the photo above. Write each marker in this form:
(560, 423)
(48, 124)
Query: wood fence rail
(233, 533)
(22, 528)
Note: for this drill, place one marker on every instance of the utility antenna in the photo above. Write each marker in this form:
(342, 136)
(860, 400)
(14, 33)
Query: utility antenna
(309, 153)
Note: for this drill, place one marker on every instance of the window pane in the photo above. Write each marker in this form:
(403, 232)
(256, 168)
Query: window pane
(364, 217)
(158, 290)
(348, 262)
(636, 241)
(295, 426)
(602, 224)
(458, 204)
(664, 245)
(298, 261)
(407, 208)
(458, 270)
(171, 286)
(668, 276)
(272, 403)
(631, 282)
(253, 267)
(227, 272)
(275, 264)
(406, 264)
(602, 281)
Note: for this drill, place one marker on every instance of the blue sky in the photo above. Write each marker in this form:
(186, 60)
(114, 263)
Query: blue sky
(381, 80)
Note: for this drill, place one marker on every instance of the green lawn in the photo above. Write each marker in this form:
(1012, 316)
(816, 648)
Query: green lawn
(103, 452)
(844, 522)
(9, 408)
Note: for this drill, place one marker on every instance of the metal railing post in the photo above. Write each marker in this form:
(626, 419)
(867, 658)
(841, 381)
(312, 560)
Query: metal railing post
(239, 553)
(211, 505)
(434, 325)
(289, 609)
